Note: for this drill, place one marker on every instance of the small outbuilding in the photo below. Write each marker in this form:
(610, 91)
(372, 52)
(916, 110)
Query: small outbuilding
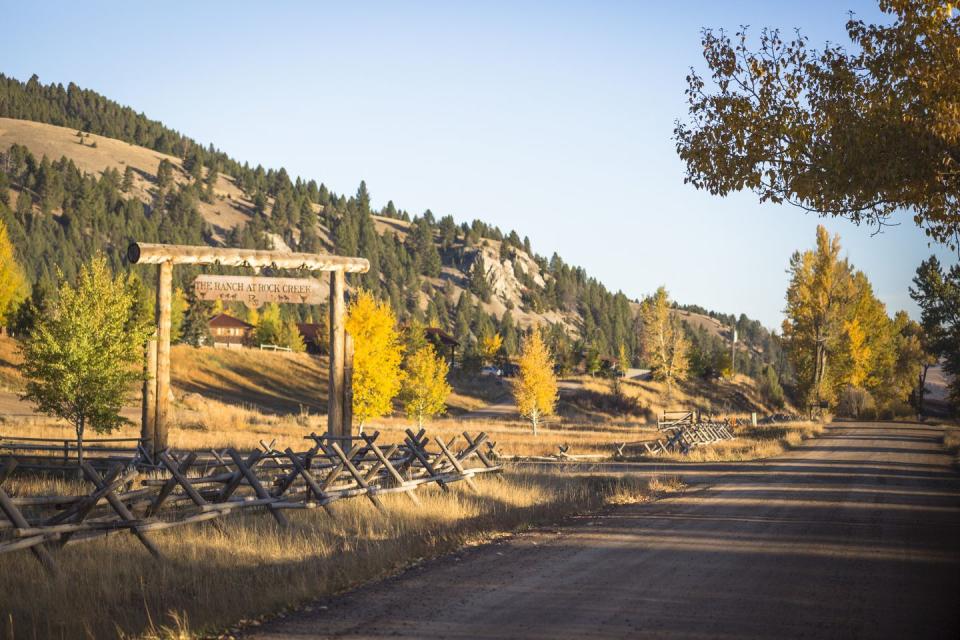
(314, 337)
(445, 344)
(228, 332)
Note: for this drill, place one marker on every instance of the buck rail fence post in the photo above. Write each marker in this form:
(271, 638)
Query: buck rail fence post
(148, 415)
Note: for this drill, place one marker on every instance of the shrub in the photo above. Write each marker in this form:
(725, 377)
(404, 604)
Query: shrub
(770, 387)
(856, 402)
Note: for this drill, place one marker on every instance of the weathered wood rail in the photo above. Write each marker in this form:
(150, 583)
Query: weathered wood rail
(195, 487)
(49, 454)
(682, 431)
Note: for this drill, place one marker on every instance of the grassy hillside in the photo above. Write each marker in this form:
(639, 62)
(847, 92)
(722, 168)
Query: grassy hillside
(229, 208)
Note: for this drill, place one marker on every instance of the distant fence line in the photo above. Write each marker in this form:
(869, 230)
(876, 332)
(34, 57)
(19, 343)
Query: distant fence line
(273, 347)
(191, 487)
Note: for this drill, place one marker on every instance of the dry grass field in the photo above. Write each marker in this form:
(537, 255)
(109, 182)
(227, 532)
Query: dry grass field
(10, 379)
(212, 579)
(236, 398)
(203, 424)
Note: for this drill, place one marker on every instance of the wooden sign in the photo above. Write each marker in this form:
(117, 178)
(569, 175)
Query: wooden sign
(255, 291)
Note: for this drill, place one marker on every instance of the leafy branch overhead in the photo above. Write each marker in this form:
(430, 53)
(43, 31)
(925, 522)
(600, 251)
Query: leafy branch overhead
(859, 134)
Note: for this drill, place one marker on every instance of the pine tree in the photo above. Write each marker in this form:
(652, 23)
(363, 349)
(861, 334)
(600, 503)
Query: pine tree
(164, 175)
(425, 388)
(937, 291)
(24, 205)
(770, 387)
(127, 179)
(479, 279)
(81, 362)
(424, 248)
(535, 387)
(196, 322)
(39, 304)
(508, 329)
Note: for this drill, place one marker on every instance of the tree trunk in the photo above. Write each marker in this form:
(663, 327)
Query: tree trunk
(921, 388)
(534, 419)
(79, 428)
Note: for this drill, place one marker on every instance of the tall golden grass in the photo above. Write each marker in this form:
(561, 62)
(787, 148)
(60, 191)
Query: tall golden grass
(201, 423)
(210, 579)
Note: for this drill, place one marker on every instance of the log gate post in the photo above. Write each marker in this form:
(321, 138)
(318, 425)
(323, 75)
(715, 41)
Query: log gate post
(335, 389)
(156, 389)
(164, 284)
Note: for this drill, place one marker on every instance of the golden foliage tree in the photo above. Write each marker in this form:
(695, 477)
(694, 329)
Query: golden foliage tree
(490, 346)
(819, 291)
(867, 351)
(535, 386)
(12, 281)
(913, 360)
(378, 351)
(291, 338)
(178, 311)
(665, 345)
(837, 333)
(425, 388)
(864, 132)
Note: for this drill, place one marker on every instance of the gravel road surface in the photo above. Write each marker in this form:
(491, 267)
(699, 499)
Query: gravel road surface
(855, 534)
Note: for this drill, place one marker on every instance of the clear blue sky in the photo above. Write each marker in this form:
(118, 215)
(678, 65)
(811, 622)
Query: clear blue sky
(553, 119)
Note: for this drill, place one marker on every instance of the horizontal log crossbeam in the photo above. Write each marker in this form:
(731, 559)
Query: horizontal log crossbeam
(147, 253)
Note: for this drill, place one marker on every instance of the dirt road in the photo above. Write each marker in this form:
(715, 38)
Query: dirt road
(854, 535)
(506, 407)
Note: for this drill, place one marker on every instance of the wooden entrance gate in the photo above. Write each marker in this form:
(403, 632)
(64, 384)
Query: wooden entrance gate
(156, 391)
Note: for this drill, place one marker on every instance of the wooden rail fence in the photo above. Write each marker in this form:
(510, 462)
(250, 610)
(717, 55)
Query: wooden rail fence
(682, 431)
(192, 487)
(48, 454)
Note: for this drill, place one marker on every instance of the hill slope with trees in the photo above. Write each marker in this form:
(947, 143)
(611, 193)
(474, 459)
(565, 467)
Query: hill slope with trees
(80, 173)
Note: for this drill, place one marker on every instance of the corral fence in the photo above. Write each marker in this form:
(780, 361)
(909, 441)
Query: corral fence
(193, 487)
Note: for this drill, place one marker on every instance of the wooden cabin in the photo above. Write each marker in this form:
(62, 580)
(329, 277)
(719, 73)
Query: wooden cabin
(228, 332)
(445, 344)
(314, 337)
